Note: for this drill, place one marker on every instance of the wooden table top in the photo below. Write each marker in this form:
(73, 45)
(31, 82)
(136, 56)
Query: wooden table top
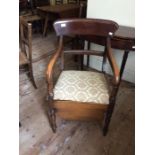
(124, 38)
(58, 8)
(125, 32)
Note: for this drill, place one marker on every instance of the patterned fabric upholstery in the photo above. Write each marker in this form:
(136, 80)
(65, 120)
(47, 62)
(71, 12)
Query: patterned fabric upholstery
(82, 86)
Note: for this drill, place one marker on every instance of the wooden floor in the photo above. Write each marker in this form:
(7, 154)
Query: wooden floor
(72, 137)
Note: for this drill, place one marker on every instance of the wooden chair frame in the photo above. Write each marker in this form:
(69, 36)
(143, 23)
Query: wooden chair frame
(102, 28)
(26, 40)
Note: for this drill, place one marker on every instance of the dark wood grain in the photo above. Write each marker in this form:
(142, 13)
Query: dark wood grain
(57, 12)
(124, 38)
(58, 8)
(125, 32)
(85, 27)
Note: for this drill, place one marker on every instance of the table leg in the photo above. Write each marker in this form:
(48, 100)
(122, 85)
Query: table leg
(125, 56)
(81, 58)
(88, 57)
(45, 26)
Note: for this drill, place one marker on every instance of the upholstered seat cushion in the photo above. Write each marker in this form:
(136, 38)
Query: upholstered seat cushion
(82, 86)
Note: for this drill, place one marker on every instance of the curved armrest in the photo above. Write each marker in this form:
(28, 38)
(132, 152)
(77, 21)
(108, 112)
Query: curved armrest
(50, 67)
(113, 63)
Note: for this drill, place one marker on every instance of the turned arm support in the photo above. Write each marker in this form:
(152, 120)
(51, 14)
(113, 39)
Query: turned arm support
(50, 67)
(112, 61)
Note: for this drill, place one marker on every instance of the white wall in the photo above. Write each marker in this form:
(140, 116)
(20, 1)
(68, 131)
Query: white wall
(123, 12)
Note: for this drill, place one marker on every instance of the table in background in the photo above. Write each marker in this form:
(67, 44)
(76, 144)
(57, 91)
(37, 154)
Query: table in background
(58, 12)
(124, 39)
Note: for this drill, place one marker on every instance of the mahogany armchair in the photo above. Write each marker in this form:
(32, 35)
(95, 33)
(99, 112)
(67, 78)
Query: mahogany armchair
(82, 95)
(25, 54)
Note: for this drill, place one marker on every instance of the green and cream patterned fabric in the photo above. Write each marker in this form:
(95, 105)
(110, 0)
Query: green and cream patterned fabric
(82, 86)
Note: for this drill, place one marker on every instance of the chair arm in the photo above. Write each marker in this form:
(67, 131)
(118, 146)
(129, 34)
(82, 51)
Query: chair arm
(50, 67)
(113, 63)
